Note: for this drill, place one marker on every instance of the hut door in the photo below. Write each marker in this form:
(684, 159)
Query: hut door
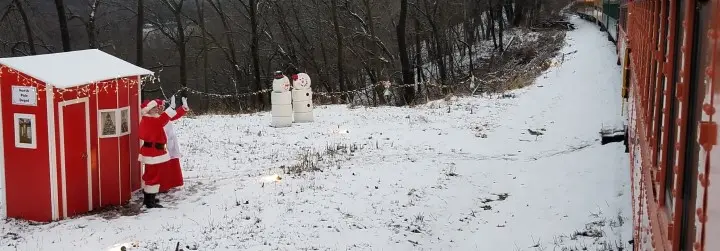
(74, 149)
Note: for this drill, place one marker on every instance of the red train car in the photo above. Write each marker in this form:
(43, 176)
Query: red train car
(671, 69)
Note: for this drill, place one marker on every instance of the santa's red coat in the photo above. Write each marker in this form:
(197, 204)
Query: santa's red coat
(152, 133)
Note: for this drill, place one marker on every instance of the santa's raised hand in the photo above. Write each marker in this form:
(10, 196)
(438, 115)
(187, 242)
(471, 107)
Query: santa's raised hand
(172, 102)
(184, 103)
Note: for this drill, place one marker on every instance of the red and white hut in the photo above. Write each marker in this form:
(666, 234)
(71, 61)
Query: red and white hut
(69, 133)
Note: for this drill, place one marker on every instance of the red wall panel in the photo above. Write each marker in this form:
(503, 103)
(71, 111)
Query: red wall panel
(27, 171)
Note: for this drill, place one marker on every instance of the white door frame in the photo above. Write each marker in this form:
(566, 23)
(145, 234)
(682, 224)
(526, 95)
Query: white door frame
(3, 202)
(87, 150)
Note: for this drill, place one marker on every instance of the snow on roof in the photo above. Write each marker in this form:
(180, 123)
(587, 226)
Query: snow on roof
(74, 68)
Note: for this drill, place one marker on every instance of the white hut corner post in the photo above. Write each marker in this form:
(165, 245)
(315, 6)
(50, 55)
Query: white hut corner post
(3, 204)
(50, 104)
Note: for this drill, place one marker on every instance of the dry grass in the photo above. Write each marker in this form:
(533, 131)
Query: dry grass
(309, 161)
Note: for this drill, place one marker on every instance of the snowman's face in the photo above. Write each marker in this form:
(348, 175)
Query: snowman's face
(304, 80)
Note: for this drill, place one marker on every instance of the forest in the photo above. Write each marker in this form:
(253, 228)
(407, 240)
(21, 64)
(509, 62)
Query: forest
(222, 53)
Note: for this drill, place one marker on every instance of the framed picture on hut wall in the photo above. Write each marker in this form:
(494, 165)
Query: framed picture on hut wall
(114, 122)
(107, 121)
(124, 121)
(25, 131)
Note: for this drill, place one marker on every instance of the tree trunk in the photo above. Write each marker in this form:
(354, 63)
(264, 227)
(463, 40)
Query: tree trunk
(418, 52)
(254, 47)
(28, 28)
(491, 26)
(62, 20)
(181, 44)
(90, 28)
(483, 30)
(200, 5)
(408, 78)
(508, 6)
(439, 54)
(519, 13)
(501, 27)
(139, 33)
(339, 40)
(231, 55)
(373, 72)
(140, 39)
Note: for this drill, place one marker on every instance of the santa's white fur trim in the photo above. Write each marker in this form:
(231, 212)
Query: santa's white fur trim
(152, 189)
(150, 160)
(152, 104)
(170, 112)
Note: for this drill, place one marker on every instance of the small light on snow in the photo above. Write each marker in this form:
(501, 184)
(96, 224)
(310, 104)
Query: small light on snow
(340, 131)
(272, 178)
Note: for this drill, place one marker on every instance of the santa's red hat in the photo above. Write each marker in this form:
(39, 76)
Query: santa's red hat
(148, 105)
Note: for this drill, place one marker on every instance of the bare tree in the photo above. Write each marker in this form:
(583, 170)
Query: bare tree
(28, 28)
(140, 33)
(230, 47)
(62, 21)
(408, 78)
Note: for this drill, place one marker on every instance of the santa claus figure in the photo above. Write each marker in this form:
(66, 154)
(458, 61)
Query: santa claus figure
(153, 145)
(171, 176)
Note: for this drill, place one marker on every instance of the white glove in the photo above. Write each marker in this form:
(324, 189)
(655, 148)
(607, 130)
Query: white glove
(172, 102)
(184, 103)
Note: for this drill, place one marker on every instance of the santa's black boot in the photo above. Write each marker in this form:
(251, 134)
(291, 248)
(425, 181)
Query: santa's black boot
(150, 201)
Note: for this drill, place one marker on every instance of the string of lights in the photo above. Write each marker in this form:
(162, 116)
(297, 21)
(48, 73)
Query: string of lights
(330, 94)
(112, 86)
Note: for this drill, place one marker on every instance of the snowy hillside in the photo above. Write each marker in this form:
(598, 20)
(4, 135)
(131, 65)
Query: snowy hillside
(458, 174)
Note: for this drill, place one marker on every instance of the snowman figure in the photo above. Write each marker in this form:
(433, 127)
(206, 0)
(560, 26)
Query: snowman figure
(281, 100)
(302, 98)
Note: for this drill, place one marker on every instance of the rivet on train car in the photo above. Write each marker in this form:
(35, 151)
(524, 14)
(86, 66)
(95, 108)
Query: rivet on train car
(707, 147)
(700, 215)
(697, 246)
(709, 109)
(703, 180)
(709, 71)
(679, 90)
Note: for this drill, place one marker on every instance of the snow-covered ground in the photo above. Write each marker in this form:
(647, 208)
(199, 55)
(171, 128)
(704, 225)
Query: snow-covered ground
(458, 174)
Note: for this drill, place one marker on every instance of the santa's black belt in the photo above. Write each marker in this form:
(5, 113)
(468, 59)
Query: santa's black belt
(156, 145)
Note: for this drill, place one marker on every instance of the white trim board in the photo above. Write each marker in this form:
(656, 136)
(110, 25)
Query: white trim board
(61, 105)
(99, 164)
(52, 151)
(118, 124)
(3, 202)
